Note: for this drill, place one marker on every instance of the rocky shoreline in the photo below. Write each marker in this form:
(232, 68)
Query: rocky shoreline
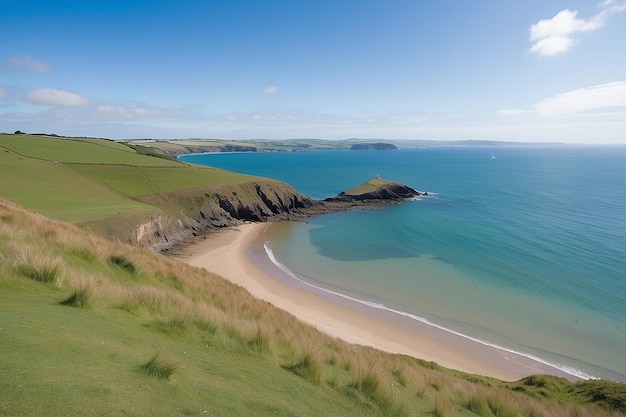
(208, 212)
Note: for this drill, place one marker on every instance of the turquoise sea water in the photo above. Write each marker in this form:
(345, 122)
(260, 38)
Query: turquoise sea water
(526, 251)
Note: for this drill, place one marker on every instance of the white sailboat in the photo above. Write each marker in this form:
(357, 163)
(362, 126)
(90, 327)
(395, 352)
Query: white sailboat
(493, 155)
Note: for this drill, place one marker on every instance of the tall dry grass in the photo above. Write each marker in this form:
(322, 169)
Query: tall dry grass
(186, 302)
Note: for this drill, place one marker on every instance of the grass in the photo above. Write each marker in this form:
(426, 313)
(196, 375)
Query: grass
(159, 367)
(123, 263)
(42, 270)
(368, 186)
(82, 180)
(305, 367)
(79, 151)
(80, 298)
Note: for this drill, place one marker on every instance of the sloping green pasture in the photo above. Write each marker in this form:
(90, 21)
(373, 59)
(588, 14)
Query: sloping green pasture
(82, 151)
(79, 180)
(368, 186)
(136, 181)
(58, 192)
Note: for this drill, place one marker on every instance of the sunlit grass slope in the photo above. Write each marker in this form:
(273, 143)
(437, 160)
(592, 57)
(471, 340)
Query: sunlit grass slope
(79, 180)
(89, 327)
(368, 186)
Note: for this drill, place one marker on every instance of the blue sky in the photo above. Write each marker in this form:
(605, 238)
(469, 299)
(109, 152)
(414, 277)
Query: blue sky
(535, 70)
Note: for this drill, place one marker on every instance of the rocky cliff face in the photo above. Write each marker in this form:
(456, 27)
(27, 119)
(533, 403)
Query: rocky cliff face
(196, 212)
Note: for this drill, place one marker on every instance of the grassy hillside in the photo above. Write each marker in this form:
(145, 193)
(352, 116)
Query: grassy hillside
(89, 180)
(93, 327)
(368, 186)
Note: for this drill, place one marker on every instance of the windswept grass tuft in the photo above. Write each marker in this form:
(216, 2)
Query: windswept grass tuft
(80, 298)
(500, 407)
(259, 341)
(477, 405)
(159, 367)
(442, 408)
(84, 253)
(40, 268)
(123, 263)
(305, 367)
(369, 390)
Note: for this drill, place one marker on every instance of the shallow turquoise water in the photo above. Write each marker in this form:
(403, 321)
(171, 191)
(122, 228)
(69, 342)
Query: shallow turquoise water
(526, 251)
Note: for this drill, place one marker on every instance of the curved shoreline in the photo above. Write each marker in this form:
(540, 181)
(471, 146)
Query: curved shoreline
(239, 255)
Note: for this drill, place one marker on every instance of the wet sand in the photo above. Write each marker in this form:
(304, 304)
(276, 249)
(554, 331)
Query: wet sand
(239, 256)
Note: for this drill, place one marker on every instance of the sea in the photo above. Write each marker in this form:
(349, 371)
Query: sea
(519, 247)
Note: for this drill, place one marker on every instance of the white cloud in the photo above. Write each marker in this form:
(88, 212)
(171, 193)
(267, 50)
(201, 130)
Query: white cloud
(614, 6)
(553, 45)
(554, 36)
(128, 113)
(27, 62)
(4, 94)
(263, 118)
(270, 90)
(52, 97)
(584, 99)
(511, 112)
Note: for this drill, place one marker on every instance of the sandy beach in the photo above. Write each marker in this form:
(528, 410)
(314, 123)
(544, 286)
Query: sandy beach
(238, 255)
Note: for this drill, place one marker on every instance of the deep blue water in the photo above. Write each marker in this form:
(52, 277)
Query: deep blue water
(526, 251)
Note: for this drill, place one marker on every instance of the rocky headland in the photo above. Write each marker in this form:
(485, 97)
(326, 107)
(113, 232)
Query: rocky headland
(197, 213)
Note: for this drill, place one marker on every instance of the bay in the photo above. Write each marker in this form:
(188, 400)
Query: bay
(526, 251)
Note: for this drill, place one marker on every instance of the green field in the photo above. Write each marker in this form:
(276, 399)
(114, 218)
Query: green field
(81, 180)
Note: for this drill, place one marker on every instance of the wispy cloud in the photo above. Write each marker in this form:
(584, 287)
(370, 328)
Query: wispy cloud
(4, 94)
(26, 62)
(613, 5)
(129, 113)
(511, 112)
(259, 117)
(584, 99)
(52, 97)
(587, 99)
(270, 90)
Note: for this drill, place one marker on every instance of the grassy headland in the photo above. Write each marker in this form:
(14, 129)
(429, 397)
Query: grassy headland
(93, 326)
(369, 186)
(112, 189)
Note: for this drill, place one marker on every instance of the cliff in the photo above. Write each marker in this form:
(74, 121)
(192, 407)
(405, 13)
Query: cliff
(194, 213)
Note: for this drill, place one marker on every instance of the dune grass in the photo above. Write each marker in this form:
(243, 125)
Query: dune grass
(219, 350)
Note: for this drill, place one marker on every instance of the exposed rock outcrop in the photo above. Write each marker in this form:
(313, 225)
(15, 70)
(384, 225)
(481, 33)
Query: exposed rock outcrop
(195, 213)
(377, 190)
